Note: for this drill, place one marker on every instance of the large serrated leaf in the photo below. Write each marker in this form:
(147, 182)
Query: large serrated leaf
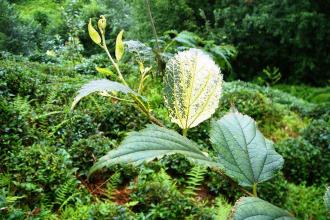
(100, 86)
(243, 152)
(327, 199)
(253, 208)
(151, 143)
(193, 86)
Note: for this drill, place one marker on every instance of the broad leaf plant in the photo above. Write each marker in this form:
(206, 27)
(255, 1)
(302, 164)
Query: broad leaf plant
(192, 89)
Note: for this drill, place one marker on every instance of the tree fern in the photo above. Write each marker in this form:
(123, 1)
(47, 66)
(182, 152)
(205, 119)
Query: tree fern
(195, 179)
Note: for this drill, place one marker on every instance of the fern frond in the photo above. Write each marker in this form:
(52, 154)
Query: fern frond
(112, 184)
(65, 192)
(195, 179)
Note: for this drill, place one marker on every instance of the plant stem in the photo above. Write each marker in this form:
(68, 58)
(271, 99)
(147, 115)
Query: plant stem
(137, 100)
(104, 46)
(147, 2)
(254, 188)
(185, 132)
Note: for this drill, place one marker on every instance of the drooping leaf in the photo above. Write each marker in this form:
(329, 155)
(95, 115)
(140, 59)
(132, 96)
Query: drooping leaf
(188, 39)
(243, 152)
(119, 45)
(193, 85)
(327, 199)
(94, 35)
(100, 86)
(258, 209)
(104, 71)
(151, 143)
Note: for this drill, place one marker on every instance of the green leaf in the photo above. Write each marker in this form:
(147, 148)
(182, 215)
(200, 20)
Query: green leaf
(101, 86)
(151, 143)
(193, 86)
(119, 45)
(94, 35)
(243, 152)
(188, 39)
(327, 199)
(104, 71)
(258, 209)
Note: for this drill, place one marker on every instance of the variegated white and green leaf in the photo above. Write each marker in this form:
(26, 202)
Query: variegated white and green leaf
(193, 86)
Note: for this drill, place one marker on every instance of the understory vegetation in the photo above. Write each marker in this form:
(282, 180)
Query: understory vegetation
(60, 134)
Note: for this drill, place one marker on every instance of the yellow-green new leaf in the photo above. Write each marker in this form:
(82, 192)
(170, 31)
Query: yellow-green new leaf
(104, 71)
(94, 35)
(193, 86)
(119, 45)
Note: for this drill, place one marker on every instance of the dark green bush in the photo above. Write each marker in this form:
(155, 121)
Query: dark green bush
(318, 134)
(304, 162)
(306, 202)
(85, 151)
(15, 35)
(38, 171)
(168, 14)
(159, 199)
(283, 34)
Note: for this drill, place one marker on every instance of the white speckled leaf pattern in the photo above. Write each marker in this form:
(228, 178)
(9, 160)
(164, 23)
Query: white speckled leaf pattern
(253, 208)
(243, 152)
(193, 86)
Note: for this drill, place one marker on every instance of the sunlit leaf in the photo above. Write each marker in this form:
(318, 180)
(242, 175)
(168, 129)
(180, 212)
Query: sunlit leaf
(119, 45)
(193, 85)
(94, 35)
(151, 143)
(243, 152)
(104, 71)
(101, 86)
(258, 209)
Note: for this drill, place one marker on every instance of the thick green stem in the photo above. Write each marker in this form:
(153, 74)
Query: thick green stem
(254, 188)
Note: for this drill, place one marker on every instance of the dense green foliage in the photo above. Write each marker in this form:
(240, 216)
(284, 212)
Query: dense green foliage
(47, 150)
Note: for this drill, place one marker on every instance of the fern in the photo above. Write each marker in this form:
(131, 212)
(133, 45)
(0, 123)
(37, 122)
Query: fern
(223, 208)
(66, 193)
(22, 106)
(195, 178)
(112, 184)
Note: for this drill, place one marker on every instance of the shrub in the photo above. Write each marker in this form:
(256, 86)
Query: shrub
(306, 202)
(318, 134)
(159, 198)
(16, 36)
(304, 162)
(84, 151)
(38, 171)
(276, 34)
